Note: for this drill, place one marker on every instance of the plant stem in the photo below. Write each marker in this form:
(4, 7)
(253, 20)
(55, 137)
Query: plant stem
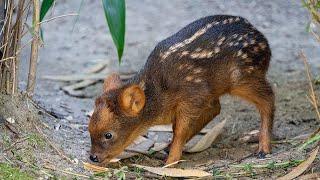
(34, 48)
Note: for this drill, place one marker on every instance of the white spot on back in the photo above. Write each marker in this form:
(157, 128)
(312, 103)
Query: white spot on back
(234, 36)
(197, 70)
(216, 49)
(221, 40)
(198, 80)
(239, 53)
(225, 21)
(252, 41)
(194, 55)
(262, 45)
(184, 53)
(189, 78)
(176, 46)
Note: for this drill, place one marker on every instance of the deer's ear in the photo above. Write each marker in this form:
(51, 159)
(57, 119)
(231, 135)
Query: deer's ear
(132, 100)
(111, 82)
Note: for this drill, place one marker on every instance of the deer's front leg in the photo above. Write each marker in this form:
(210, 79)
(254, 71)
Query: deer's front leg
(188, 124)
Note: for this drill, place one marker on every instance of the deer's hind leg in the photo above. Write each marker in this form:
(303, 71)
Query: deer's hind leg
(258, 91)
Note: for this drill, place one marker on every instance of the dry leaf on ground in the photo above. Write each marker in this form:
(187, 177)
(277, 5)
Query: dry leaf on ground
(297, 171)
(168, 128)
(206, 141)
(159, 146)
(141, 145)
(174, 172)
(95, 168)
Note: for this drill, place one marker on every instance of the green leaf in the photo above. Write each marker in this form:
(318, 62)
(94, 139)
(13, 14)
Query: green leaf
(115, 12)
(308, 27)
(45, 6)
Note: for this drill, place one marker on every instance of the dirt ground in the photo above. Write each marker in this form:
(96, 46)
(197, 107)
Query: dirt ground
(70, 47)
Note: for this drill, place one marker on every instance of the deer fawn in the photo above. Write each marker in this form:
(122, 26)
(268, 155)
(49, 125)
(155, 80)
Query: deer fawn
(181, 83)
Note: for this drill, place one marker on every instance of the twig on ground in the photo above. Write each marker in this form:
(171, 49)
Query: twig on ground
(42, 109)
(297, 171)
(72, 89)
(52, 145)
(313, 98)
(174, 163)
(269, 165)
(66, 172)
(13, 144)
(81, 77)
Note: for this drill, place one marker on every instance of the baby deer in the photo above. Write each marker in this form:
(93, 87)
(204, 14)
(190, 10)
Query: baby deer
(181, 83)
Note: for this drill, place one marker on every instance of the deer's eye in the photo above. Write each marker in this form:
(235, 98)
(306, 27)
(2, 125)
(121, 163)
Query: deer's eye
(108, 135)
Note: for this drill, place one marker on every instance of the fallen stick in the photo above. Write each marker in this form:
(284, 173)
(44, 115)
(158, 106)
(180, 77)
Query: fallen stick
(96, 68)
(81, 77)
(52, 145)
(66, 172)
(72, 89)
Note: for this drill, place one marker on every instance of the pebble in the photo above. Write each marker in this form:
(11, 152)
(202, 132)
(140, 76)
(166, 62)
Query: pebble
(57, 127)
(10, 120)
(69, 118)
(75, 161)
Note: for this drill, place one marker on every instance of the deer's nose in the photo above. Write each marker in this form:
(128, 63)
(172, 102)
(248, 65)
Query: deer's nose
(94, 158)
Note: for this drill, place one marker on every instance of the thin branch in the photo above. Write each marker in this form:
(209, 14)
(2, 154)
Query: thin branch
(58, 17)
(52, 145)
(34, 49)
(312, 96)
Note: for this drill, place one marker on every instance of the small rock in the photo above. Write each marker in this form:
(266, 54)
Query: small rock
(75, 161)
(57, 127)
(10, 120)
(69, 118)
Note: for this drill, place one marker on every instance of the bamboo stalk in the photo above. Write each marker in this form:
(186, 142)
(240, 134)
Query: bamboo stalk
(17, 43)
(34, 48)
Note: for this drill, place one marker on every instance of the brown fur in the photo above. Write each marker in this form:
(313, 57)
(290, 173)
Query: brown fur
(181, 84)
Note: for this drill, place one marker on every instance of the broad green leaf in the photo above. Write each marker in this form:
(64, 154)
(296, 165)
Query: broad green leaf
(45, 6)
(115, 12)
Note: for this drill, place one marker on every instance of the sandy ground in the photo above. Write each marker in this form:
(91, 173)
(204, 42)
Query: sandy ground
(148, 22)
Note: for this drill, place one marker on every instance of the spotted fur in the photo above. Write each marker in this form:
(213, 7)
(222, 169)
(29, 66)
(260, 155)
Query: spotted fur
(181, 83)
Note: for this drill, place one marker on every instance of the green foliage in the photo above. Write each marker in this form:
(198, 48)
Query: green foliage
(45, 6)
(115, 12)
(121, 173)
(317, 80)
(36, 141)
(312, 140)
(11, 173)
